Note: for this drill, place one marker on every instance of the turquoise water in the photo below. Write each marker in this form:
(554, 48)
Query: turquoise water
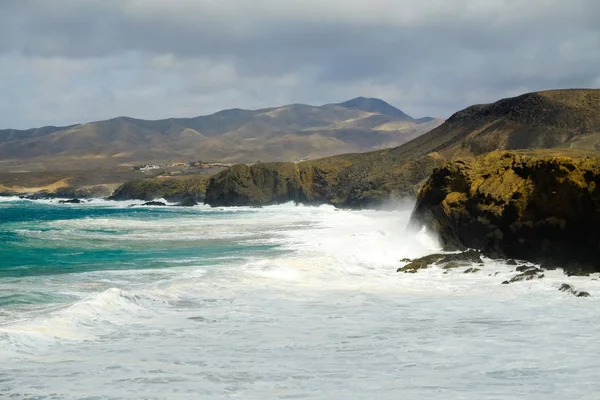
(34, 243)
(48, 239)
(106, 301)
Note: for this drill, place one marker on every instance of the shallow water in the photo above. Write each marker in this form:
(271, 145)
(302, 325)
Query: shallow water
(105, 301)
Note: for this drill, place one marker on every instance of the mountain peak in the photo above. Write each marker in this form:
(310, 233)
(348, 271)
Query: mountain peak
(370, 104)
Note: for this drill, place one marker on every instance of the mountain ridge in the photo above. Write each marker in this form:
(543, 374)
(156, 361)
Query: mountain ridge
(288, 132)
(371, 104)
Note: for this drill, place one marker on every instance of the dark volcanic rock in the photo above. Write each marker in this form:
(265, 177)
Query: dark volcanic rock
(270, 183)
(71, 201)
(539, 206)
(528, 275)
(175, 189)
(566, 288)
(570, 289)
(448, 261)
(154, 203)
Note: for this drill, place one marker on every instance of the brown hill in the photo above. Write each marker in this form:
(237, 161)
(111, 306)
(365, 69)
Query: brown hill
(285, 133)
(555, 118)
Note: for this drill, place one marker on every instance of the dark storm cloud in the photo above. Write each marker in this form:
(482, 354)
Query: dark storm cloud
(96, 59)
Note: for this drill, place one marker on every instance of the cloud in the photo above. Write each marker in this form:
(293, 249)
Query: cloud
(64, 62)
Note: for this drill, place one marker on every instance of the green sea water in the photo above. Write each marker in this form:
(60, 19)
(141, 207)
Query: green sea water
(47, 239)
(33, 243)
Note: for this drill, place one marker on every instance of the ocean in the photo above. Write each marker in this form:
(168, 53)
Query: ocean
(105, 301)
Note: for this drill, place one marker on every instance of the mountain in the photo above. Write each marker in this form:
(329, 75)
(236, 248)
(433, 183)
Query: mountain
(376, 106)
(550, 119)
(287, 133)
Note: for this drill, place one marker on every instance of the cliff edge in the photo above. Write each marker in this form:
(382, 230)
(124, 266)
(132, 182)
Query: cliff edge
(541, 205)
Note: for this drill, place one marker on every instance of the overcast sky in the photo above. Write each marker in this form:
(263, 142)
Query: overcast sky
(68, 61)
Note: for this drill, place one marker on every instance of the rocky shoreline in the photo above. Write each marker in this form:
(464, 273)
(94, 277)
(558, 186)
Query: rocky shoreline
(471, 262)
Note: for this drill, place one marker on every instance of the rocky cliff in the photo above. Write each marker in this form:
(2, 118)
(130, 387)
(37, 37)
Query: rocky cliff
(541, 205)
(354, 180)
(174, 189)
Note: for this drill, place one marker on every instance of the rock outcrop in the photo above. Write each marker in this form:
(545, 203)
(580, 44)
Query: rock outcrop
(269, 183)
(71, 201)
(154, 204)
(352, 180)
(526, 275)
(446, 260)
(172, 189)
(570, 289)
(542, 206)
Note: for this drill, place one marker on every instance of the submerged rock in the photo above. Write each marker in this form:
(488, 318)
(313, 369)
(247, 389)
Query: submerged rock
(71, 201)
(530, 274)
(154, 203)
(447, 261)
(570, 289)
(471, 270)
(541, 206)
(565, 288)
(453, 264)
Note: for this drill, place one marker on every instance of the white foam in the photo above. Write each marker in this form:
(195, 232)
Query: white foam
(9, 199)
(86, 319)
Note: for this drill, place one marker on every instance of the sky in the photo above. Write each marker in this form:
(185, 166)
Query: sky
(72, 61)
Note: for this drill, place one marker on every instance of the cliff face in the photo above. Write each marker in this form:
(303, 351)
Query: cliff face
(168, 188)
(541, 206)
(270, 183)
(355, 180)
